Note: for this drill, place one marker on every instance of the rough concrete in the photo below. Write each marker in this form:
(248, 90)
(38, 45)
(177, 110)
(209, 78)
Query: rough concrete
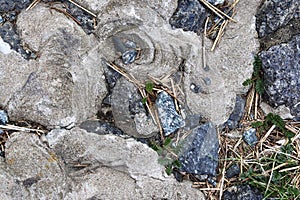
(81, 165)
(64, 85)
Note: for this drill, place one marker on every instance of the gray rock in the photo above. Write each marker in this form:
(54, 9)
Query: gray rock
(237, 113)
(249, 136)
(129, 112)
(242, 192)
(274, 14)
(169, 118)
(281, 66)
(200, 151)
(64, 86)
(3, 117)
(99, 127)
(233, 170)
(190, 15)
(81, 165)
(32, 169)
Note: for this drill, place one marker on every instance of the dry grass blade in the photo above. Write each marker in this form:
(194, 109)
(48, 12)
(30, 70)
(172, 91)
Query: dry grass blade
(216, 10)
(220, 34)
(18, 128)
(33, 4)
(86, 10)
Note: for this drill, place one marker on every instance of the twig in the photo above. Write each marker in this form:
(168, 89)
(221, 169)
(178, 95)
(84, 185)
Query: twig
(216, 10)
(220, 34)
(33, 4)
(18, 128)
(79, 6)
(256, 104)
(266, 136)
(203, 43)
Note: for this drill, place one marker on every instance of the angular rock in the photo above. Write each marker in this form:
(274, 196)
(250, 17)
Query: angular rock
(64, 85)
(274, 14)
(75, 168)
(249, 136)
(199, 153)
(281, 67)
(242, 192)
(190, 15)
(3, 117)
(32, 169)
(237, 113)
(99, 127)
(169, 118)
(129, 112)
(233, 170)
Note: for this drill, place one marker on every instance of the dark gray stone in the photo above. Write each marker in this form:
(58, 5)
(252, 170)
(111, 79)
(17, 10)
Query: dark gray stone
(3, 117)
(242, 192)
(190, 15)
(237, 113)
(281, 67)
(249, 136)
(129, 112)
(169, 118)
(9, 5)
(233, 170)
(199, 154)
(101, 128)
(127, 49)
(216, 2)
(274, 14)
(9, 34)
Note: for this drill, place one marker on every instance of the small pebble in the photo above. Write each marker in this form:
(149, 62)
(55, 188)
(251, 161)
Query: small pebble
(3, 117)
(250, 137)
(232, 171)
(195, 88)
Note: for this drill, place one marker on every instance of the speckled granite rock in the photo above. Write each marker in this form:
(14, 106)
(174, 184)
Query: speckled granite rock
(281, 67)
(199, 154)
(274, 14)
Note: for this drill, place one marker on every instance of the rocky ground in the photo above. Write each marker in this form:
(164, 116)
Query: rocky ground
(145, 99)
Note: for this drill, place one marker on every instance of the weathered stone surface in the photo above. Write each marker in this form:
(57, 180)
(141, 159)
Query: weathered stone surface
(3, 117)
(281, 67)
(200, 151)
(99, 127)
(129, 112)
(274, 14)
(232, 171)
(249, 136)
(237, 113)
(74, 168)
(32, 169)
(227, 67)
(190, 15)
(64, 86)
(242, 192)
(169, 118)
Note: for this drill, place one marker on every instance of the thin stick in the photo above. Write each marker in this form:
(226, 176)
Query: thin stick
(159, 126)
(268, 185)
(220, 34)
(33, 4)
(256, 104)
(289, 169)
(266, 136)
(216, 10)
(18, 128)
(223, 173)
(79, 6)
(203, 43)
